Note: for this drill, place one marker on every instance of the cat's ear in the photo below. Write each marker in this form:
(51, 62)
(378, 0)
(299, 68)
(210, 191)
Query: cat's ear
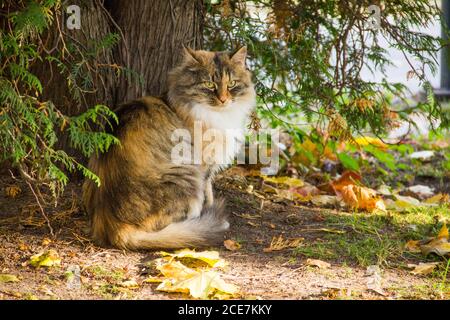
(189, 55)
(239, 56)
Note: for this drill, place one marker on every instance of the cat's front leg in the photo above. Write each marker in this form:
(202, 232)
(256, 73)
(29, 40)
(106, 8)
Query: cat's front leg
(209, 194)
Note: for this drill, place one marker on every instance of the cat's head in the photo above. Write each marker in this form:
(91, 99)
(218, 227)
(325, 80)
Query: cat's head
(216, 80)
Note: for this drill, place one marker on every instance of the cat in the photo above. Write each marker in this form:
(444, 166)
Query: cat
(145, 200)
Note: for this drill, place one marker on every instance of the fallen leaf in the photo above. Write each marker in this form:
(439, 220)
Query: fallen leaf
(438, 246)
(306, 190)
(289, 181)
(318, 263)
(413, 246)
(46, 258)
(362, 198)
(154, 280)
(278, 243)
(374, 279)
(201, 285)
(347, 178)
(443, 233)
(173, 269)
(5, 278)
(423, 268)
(438, 198)
(12, 191)
(231, 245)
(325, 200)
(131, 284)
(210, 257)
(304, 193)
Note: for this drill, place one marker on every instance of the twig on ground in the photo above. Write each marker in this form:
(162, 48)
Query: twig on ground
(42, 209)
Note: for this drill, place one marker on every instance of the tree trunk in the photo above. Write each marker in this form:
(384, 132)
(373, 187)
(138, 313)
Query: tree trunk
(153, 32)
(95, 26)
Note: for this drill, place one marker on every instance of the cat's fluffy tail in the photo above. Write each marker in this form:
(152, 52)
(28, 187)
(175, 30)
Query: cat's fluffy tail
(196, 232)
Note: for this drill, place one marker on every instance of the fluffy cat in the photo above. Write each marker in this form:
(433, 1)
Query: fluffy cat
(147, 201)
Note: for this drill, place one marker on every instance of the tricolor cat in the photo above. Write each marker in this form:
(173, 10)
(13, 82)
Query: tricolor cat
(146, 200)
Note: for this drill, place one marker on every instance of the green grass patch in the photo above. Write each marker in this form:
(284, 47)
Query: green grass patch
(376, 238)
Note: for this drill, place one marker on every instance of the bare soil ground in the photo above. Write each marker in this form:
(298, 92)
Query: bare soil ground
(254, 222)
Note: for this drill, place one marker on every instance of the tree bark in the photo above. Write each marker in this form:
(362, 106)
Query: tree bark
(95, 26)
(154, 32)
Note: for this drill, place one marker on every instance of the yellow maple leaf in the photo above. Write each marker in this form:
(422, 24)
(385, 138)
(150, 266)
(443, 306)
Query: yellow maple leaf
(209, 257)
(291, 182)
(201, 285)
(46, 258)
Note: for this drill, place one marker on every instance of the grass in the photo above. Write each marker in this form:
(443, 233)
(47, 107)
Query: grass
(379, 239)
(376, 238)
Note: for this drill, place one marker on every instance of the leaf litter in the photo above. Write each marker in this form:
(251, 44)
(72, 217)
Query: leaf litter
(193, 273)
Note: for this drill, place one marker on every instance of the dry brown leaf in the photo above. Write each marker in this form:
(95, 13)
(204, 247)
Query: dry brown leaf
(412, 246)
(347, 178)
(325, 200)
(305, 193)
(423, 268)
(318, 263)
(231, 245)
(439, 246)
(362, 198)
(279, 243)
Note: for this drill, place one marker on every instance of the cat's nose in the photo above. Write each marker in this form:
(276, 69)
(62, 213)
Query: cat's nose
(222, 98)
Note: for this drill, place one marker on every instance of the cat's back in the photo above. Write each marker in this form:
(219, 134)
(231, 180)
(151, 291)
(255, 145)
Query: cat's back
(147, 113)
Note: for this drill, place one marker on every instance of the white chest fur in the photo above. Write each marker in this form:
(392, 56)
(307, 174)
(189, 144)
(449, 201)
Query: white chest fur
(225, 130)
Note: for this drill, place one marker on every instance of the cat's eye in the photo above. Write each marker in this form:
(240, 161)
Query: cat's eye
(232, 84)
(209, 84)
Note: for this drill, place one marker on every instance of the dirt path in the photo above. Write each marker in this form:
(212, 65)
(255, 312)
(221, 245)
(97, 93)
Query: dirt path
(329, 235)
